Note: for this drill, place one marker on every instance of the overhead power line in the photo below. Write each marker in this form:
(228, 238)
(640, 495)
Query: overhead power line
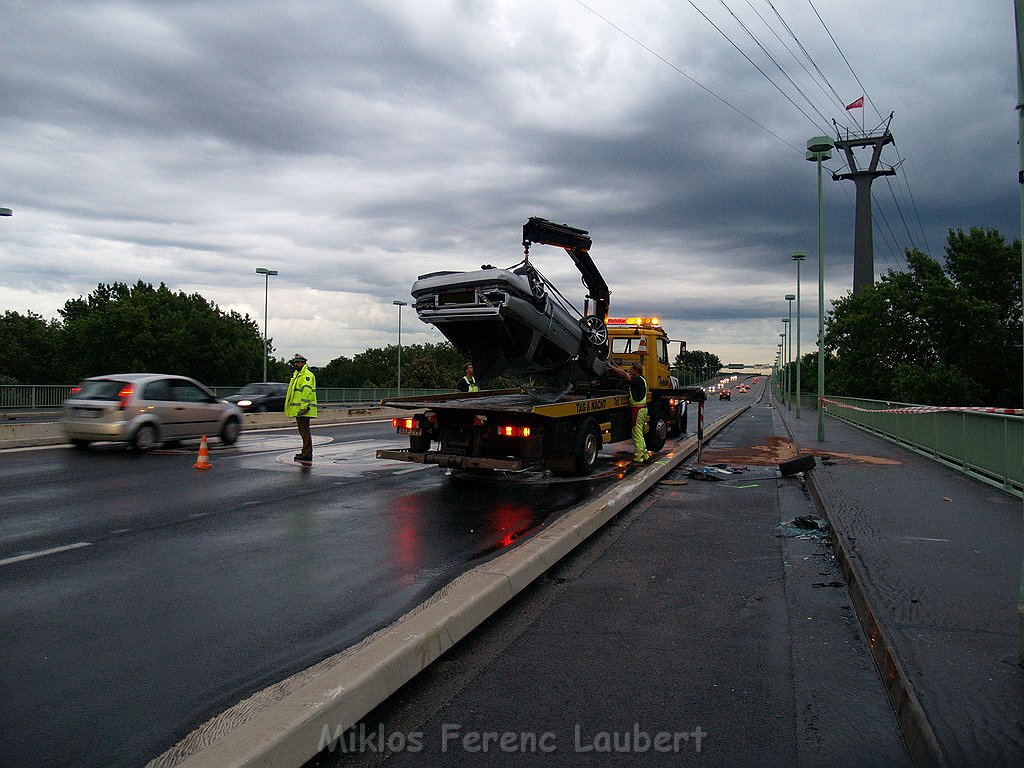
(786, 84)
(693, 80)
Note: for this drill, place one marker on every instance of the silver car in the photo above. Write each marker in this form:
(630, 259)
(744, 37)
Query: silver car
(144, 409)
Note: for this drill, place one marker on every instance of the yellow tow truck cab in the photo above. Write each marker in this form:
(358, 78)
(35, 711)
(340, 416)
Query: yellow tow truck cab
(642, 338)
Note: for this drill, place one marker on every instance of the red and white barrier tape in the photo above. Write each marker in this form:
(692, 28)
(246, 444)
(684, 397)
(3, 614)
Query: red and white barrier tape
(929, 409)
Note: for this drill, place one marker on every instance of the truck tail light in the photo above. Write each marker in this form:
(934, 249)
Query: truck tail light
(404, 423)
(511, 431)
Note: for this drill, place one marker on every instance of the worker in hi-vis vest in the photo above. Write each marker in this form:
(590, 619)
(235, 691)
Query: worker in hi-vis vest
(637, 408)
(468, 382)
(300, 404)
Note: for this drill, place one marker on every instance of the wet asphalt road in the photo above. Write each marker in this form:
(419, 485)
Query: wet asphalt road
(140, 597)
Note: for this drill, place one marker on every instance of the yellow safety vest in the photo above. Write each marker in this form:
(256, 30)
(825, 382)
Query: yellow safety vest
(642, 402)
(301, 393)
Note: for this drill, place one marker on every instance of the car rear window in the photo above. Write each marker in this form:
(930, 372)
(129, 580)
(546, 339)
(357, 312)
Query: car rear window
(99, 389)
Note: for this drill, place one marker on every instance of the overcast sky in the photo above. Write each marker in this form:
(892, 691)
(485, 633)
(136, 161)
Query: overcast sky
(353, 145)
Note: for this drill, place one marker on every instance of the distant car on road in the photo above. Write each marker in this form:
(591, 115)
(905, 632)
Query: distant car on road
(260, 396)
(144, 409)
(725, 394)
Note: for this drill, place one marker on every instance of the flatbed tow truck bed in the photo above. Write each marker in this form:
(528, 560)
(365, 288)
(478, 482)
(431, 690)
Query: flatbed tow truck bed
(512, 401)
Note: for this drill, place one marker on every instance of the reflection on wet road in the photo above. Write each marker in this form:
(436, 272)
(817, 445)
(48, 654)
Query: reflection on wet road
(188, 591)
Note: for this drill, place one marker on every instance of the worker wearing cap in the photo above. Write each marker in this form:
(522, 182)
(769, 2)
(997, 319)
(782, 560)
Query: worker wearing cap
(300, 403)
(637, 407)
(468, 382)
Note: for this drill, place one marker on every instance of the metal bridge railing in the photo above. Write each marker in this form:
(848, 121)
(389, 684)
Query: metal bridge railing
(987, 446)
(32, 396)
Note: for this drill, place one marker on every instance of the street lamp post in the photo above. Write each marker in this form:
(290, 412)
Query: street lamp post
(781, 381)
(400, 304)
(789, 353)
(820, 148)
(798, 257)
(778, 365)
(266, 296)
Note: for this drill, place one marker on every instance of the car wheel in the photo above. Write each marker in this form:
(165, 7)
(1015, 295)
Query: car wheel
(83, 444)
(657, 431)
(230, 431)
(595, 331)
(588, 446)
(145, 438)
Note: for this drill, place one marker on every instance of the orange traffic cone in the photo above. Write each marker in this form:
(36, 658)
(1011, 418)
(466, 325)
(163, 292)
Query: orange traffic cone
(203, 462)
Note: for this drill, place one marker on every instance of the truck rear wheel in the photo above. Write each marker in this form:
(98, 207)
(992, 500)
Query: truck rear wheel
(657, 431)
(588, 445)
(677, 426)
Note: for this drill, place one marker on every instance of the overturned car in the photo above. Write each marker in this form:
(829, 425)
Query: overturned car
(513, 320)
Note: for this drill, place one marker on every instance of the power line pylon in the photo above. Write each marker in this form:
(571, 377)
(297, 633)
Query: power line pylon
(863, 242)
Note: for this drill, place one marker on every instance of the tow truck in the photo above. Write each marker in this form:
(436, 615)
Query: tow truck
(509, 430)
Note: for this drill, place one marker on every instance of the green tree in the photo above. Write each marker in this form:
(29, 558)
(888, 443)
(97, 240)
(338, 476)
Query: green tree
(935, 334)
(142, 328)
(695, 365)
(28, 345)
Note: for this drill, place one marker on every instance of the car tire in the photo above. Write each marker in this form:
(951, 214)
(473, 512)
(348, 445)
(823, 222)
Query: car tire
(588, 446)
(657, 431)
(230, 431)
(81, 444)
(145, 438)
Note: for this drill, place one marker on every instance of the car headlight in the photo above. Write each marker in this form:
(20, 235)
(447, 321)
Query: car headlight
(244, 403)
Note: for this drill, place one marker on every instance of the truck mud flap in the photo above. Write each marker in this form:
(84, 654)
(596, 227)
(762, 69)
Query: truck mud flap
(453, 461)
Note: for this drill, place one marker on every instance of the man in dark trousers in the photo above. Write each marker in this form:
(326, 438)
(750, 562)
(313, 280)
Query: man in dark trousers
(300, 404)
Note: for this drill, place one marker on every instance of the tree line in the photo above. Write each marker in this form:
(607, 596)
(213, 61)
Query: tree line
(936, 333)
(120, 327)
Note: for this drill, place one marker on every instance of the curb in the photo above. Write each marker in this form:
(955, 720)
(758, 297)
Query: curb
(917, 731)
(288, 723)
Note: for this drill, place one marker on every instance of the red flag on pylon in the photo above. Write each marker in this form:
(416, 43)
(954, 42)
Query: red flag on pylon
(858, 104)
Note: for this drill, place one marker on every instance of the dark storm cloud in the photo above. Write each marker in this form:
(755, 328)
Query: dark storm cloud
(354, 146)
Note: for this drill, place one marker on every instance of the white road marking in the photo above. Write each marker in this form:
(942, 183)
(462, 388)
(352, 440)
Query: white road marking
(920, 538)
(45, 552)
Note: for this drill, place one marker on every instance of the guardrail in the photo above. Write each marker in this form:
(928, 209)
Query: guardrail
(986, 446)
(30, 396)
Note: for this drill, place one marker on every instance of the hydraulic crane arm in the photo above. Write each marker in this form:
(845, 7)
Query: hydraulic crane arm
(576, 243)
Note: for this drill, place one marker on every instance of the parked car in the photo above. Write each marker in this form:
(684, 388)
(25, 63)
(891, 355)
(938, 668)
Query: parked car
(725, 394)
(260, 396)
(144, 409)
